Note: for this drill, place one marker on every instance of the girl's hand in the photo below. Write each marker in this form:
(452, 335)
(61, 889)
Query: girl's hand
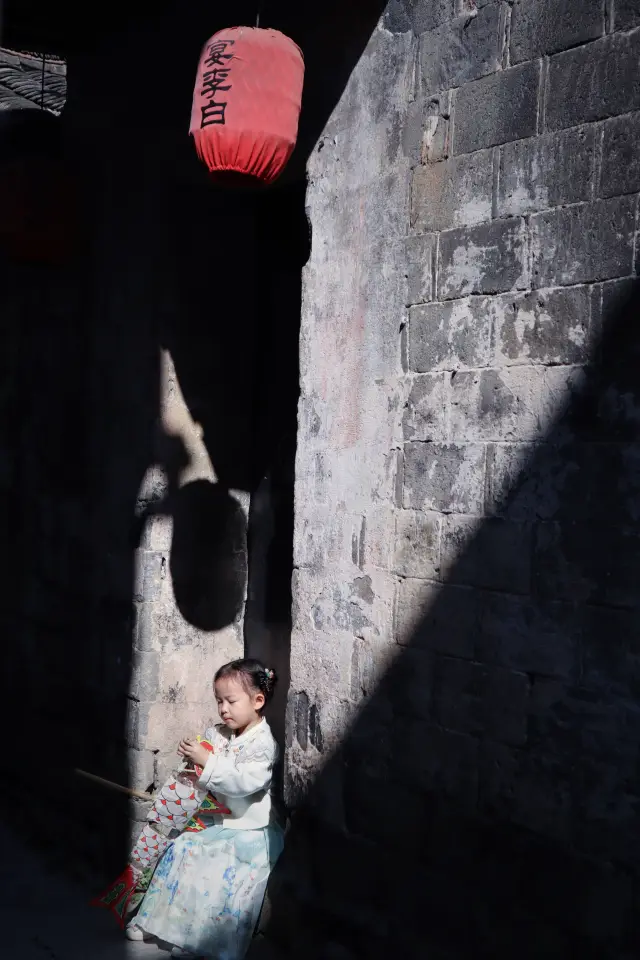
(194, 751)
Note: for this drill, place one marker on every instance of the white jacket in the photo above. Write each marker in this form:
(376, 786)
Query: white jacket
(238, 773)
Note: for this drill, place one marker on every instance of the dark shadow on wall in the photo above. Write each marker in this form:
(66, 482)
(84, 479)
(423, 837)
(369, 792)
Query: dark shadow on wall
(67, 645)
(75, 444)
(486, 800)
(163, 260)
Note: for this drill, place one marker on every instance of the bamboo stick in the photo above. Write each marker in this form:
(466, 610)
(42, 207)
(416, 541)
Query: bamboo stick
(115, 786)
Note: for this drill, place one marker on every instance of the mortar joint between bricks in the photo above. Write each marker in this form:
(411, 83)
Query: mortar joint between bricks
(528, 252)
(404, 349)
(608, 16)
(497, 152)
(438, 569)
(448, 381)
(542, 96)
(595, 312)
(596, 173)
(399, 478)
(435, 256)
(414, 73)
(634, 271)
(488, 508)
(505, 35)
(452, 122)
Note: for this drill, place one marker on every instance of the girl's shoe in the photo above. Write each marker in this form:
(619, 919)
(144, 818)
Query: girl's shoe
(133, 932)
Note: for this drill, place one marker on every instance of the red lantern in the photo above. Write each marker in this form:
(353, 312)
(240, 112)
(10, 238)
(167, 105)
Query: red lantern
(246, 102)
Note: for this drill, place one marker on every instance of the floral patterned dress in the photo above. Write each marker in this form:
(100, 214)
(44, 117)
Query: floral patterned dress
(207, 891)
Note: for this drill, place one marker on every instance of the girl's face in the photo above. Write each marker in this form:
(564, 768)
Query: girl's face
(238, 707)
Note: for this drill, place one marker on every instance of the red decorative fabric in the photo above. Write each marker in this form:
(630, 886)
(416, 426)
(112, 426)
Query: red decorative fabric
(246, 102)
(38, 211)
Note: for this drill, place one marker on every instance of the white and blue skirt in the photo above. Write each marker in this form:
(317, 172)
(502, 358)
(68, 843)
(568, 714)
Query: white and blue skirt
(207, 891)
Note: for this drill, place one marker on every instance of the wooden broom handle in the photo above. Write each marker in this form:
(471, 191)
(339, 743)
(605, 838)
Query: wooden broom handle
(115, 786)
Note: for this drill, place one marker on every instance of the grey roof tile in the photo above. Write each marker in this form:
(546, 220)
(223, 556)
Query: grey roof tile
(24, 85)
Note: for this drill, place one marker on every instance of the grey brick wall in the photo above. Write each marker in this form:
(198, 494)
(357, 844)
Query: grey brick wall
(466, 602)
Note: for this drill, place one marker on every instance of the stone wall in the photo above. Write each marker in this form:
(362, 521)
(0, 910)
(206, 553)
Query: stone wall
(189, 593)
(463, 716)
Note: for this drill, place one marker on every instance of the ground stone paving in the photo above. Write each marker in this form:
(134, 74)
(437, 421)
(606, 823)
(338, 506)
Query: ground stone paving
(45, 916)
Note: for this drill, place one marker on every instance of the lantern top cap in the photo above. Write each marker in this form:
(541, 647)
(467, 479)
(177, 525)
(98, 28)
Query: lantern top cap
(261, 30)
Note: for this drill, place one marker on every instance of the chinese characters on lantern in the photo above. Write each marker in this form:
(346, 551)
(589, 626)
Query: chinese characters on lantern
(215, 80)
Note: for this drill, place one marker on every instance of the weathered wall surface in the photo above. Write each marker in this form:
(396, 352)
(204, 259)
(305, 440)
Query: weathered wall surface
(191, 552)
(463, 717)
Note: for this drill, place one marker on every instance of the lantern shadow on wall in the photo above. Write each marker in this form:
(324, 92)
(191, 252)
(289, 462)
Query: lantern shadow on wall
(208, 550)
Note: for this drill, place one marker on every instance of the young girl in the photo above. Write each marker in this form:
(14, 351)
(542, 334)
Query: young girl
(207, 891)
